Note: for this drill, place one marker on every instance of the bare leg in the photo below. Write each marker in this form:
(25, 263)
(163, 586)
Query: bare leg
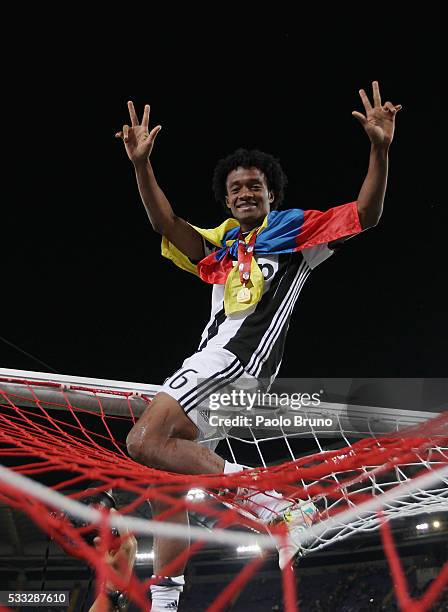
(163, 438)
(167, 549)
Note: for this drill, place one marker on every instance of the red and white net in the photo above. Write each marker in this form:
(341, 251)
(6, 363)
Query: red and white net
(63, 436)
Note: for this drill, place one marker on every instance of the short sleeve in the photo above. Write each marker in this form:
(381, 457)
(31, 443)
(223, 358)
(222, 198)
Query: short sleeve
(317, 254)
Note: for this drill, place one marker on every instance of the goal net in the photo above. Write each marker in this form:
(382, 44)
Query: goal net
(62, 437)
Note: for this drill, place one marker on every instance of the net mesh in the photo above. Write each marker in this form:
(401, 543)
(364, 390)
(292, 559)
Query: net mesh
(64, 436)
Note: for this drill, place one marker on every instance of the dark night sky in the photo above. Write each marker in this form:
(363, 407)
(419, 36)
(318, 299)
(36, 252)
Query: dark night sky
(84, 288)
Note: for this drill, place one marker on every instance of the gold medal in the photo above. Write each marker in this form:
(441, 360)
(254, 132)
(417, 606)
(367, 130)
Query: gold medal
(243, 296)
(245, 255)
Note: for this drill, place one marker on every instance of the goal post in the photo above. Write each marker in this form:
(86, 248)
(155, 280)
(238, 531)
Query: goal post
(376, 464)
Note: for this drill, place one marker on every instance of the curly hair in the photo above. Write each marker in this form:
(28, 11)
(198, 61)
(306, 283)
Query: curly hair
(242, 158)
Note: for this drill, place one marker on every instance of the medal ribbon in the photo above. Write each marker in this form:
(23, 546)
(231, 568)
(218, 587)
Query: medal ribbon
(245, 254)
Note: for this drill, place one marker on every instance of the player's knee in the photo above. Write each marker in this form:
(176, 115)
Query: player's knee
(134, 443)
(137, 443)
(143, 447)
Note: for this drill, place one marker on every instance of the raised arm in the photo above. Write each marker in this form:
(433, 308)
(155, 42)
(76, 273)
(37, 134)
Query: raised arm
(379, 124)
(139, 142)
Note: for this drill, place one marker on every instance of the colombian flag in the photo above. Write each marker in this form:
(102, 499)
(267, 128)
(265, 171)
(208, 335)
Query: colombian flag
(283, 231)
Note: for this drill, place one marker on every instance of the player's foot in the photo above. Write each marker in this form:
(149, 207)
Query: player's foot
(297, 519)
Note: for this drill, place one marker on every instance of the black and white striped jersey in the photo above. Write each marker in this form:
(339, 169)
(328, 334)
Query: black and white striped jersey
(257, 335)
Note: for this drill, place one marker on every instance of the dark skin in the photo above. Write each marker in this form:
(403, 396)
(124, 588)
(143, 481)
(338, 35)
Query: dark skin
(378, 122)
(139, 142)
(164, 437)
(248, 197)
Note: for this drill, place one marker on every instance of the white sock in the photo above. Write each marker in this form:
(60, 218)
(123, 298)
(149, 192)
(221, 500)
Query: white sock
(266, 506)
(231, 468)
(165, 595)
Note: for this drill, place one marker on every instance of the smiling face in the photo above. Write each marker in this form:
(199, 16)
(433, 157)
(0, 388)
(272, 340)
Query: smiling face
(248, 197)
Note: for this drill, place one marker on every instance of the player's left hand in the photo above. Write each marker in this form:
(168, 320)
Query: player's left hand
(379, 120)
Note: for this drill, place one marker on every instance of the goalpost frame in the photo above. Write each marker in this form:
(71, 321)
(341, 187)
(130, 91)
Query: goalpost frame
(116, 395)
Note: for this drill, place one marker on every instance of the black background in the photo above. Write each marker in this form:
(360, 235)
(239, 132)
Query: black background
(84, 288)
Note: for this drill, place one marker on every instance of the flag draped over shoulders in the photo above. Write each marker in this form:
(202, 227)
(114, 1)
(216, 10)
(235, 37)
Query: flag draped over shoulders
(285, 231)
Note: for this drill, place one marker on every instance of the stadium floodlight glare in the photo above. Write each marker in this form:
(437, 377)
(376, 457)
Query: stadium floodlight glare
(250, 549)
(422, 526)
(436, 524)
(144, 556)
(196, 494)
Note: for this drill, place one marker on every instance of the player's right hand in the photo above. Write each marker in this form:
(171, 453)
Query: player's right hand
(138, 140)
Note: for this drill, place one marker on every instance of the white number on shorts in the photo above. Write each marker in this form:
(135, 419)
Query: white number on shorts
(181, 379)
